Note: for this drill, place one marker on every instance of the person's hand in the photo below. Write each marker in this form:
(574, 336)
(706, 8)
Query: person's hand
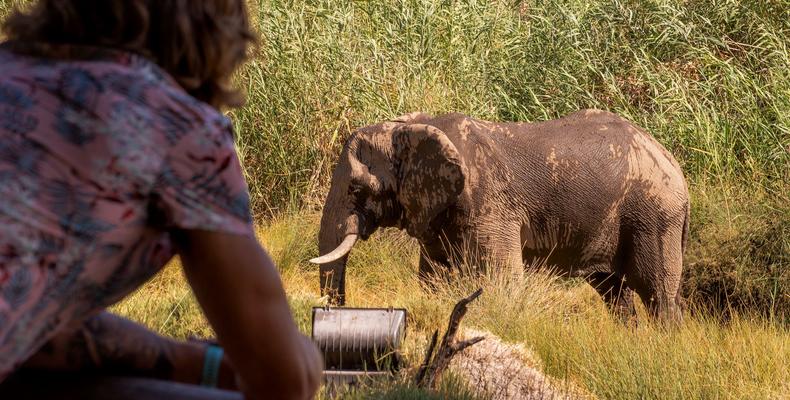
(313, 361)
(311, 379)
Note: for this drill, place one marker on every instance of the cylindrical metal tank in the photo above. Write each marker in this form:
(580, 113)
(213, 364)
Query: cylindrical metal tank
(362, 339)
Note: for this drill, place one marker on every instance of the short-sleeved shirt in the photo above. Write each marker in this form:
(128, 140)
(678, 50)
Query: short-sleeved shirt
(102, 157)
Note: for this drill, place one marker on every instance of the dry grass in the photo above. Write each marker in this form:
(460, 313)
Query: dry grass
(563, 323)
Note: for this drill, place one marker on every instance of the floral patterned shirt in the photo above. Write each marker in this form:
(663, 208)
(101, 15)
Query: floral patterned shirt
(102, 156)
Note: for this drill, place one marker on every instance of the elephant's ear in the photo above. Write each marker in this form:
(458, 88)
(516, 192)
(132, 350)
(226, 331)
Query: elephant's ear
(431, 175)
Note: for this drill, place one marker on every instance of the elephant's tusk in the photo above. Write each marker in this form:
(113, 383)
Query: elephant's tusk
(337, 253)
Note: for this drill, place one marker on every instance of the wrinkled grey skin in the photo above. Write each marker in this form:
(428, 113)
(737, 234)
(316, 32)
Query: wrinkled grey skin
(590, 194)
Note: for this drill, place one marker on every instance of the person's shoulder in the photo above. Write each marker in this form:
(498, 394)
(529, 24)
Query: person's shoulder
(180, 113)
(184, 115)
(10, 60)
(116, 82)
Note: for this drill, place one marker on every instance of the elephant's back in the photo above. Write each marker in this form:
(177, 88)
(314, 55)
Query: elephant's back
(586, 134)
(645, 166)
(589, 153)
(598, 142)
(592, 177)
(599, 171)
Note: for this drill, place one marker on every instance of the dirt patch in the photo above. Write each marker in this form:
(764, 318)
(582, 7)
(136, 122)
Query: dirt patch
(500, 371)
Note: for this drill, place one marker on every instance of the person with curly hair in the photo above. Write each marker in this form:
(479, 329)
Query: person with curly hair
(115, 157)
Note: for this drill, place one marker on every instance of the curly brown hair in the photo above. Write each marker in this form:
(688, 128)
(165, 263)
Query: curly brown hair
(199, 43)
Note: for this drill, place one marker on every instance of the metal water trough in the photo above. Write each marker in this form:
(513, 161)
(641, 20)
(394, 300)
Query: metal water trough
(358, 343)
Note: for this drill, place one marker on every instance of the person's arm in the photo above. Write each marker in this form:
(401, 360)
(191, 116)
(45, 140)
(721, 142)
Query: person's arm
(110, 345)
(242, 296)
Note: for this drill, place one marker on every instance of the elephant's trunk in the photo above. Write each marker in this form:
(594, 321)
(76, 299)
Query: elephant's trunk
(335, 239)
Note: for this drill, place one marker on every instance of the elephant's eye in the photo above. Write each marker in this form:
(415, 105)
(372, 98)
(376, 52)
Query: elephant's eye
(354, 190)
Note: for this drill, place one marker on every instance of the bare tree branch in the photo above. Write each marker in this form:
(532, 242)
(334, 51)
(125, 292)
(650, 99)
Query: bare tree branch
(430, 371)
(460, 346)
(427, 360)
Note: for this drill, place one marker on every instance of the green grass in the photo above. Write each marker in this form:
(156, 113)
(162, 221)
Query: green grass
(710, 79)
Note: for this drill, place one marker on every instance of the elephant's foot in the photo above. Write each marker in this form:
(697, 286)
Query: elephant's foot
(667, 311)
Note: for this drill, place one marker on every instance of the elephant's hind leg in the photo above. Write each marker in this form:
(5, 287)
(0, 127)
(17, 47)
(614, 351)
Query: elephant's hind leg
(654, 270)
(615, 292)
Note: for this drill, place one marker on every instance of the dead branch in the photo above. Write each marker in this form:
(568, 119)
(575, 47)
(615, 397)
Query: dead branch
(430, 371)
(460, 346)
(426, 362)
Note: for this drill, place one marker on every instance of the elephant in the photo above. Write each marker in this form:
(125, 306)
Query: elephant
(590, 194)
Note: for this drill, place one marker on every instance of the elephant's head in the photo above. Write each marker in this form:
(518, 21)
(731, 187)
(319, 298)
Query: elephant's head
(397, 173)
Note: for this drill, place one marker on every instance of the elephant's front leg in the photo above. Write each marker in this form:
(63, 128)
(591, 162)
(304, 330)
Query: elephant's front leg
(475, 252)
(498, 247)
(495, 248)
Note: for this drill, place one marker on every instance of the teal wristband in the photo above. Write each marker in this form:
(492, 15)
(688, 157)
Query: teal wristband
(211, 364)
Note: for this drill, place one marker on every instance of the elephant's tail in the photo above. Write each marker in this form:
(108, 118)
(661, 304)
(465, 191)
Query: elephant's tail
(685, 237)
(679, 300)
